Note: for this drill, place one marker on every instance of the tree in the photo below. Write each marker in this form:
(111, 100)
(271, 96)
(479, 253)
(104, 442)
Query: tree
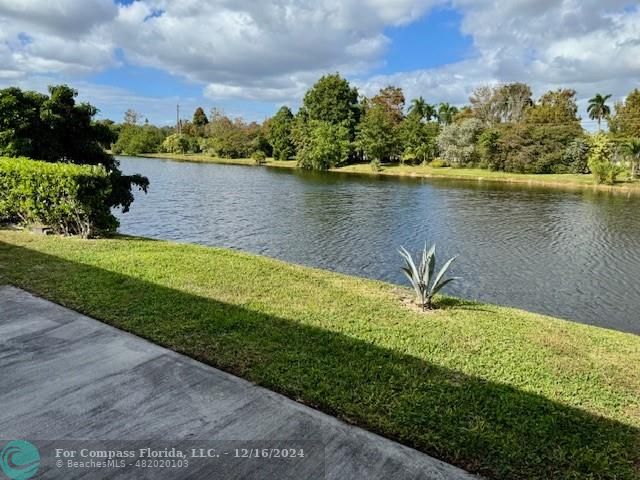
(486, 105)
(446, 113)
(320, 145)
(200, 118)
(56, 129)
(232, 138)
(334, 101)
(377, 136)
(22, 132)
(418, 139)
(576, 155)
(106, 132)
(554, 107)
(598, 108)
(131, 117)
(632, 147)
(626, 121)
(391, 100)
(537, 148)
(514, 99)
(279, 134)
(418, 107)
(430, 112)
(489, 148)
(457, 142)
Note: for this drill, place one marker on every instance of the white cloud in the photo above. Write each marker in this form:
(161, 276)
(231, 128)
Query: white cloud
(61, 17)
(590, 46)
(273, 51)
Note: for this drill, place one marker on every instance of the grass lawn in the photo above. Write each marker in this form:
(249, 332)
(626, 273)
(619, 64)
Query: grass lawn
(498, 391)
(567, 181)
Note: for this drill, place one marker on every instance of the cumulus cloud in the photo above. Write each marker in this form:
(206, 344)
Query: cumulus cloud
(588, 45)
(273, 51)
(62, 17)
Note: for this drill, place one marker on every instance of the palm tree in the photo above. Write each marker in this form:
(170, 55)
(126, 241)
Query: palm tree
(633, 149)
(446, 113)
(430, 112)
(418, 107)
(598, 108)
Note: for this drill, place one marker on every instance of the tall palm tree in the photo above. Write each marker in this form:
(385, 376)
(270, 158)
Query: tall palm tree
(633, 149)
(598, 108)
(418, 107)
(446, 113)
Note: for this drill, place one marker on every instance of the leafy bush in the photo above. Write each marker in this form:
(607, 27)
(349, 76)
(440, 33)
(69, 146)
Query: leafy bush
(137, 139)
(259, 157)
(68, 198)
(526, 148)
(575, 157)
(321, 145)
(438, 163)
(601, 163)
(421, 276)
(176, 143)
(457, 142)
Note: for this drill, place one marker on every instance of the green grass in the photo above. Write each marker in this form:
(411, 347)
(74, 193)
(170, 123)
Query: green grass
(566, 181)
(202, 158)
(498, 391)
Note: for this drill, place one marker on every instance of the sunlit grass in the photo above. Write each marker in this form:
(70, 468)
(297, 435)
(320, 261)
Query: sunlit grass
(496, 390)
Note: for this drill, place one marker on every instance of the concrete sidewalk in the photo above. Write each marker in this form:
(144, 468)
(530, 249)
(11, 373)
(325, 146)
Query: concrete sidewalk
(65, 376)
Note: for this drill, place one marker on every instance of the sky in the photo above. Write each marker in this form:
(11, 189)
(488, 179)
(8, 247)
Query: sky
(249, 57)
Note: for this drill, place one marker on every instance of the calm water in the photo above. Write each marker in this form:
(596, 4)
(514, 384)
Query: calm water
(572, 255)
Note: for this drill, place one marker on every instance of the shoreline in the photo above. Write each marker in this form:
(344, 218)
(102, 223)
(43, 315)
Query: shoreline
(466, 379)
(571, 182)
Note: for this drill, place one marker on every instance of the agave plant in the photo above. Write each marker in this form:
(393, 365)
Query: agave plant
(421, 276)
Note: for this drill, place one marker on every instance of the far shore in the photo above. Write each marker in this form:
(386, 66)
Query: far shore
(564, 181)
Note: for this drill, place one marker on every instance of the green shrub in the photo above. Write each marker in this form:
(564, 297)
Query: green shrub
(176, 143)
(259, 157)
(438, 163)
(68, 198)
(138, 139)
(600, 159)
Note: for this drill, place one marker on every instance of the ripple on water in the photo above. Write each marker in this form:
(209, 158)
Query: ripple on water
(573, 255)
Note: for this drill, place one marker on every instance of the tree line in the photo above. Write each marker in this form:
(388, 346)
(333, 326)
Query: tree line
(502, 128)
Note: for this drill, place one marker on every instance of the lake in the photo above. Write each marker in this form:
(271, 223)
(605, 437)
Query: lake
(574, 255)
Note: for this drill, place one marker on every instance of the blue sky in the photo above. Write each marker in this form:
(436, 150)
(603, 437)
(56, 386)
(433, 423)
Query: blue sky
(248, 58)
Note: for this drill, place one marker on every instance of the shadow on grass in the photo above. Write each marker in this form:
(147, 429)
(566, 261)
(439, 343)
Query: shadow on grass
(485, 427)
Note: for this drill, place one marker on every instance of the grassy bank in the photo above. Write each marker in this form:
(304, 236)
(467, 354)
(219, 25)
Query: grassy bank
(499, 391)
(566, 181)
(201, 158)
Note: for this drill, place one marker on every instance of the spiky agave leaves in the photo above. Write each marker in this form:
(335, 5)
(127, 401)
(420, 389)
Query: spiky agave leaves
(421, 276)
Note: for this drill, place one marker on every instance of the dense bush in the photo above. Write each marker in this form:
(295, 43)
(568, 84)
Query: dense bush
(279, 134)
(542, 148)
(176, 143)
(68, 198)
(321, 145)
(575, 156)
(259, 157)
(138, 139)
(457, 142)
(601, 159)
(55, 128)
